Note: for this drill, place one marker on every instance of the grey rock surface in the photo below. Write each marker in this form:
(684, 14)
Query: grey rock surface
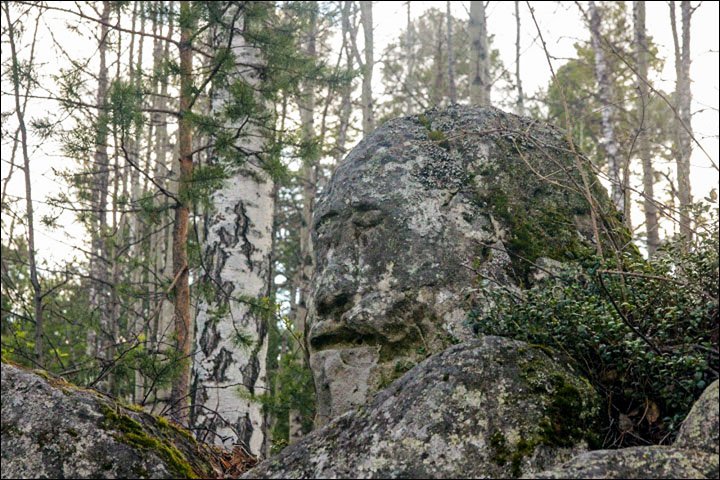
(701, 427)
(638, 462)
(493, 407)
(419, 211)
(51, 429)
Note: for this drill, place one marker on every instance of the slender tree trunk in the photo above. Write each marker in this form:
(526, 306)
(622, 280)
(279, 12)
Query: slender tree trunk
(410, 59)
(643, 146)
(345, 102)
(20, 113)
(438, 91)
(162, 327)
(608, 142)
(181, 387)
(231, 356)
(520, 103)
(452, 91)
(308, 177)
(99, 302)
(368, 108)
(479, 56)
(683, 122)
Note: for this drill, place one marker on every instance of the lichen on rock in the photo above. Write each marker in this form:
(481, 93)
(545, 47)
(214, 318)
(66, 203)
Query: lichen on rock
(52, 429)
(490, 408)
(638, 462)
(701, 427)
(414, 215)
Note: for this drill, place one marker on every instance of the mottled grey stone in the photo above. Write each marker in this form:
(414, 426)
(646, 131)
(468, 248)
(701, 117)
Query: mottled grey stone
(638, 462)
(51, 429)
(493, 407)
(700, 428)
(416, 214)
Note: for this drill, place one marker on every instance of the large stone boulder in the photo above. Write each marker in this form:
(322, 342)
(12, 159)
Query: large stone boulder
(701, 428)
(51, 429)
(494, 407)
(419, 211)
(638, 462)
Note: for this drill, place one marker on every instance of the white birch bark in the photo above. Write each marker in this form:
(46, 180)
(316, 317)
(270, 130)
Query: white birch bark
(608, 142)
(237, 259)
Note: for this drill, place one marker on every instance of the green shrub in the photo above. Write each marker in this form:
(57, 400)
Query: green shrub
(644, 332)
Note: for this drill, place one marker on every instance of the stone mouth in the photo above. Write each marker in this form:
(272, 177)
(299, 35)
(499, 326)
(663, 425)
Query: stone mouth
(331, 335)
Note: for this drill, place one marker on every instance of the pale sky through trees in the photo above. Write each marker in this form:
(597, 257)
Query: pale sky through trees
(561, 25)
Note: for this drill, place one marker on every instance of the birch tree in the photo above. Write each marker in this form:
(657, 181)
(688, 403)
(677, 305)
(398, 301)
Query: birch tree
(230, 360)
(608, 140)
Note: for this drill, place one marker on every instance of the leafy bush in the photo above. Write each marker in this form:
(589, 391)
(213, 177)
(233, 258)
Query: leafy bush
(644, 332)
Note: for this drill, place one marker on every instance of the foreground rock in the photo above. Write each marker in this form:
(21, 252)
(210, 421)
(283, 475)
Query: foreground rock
(693, 455)
(638, 462)
(419, 211)
(489, 408)
(700, 430)
(51, 429)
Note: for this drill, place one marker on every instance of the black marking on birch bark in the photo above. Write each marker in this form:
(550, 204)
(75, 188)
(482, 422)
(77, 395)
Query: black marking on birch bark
(220, 364)
(199, 395)
(251, 371)
(210, 337)
(242, 227)
(244, 429)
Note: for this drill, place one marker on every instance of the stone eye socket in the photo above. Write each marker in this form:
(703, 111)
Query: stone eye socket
(368, 218)
(322, 221)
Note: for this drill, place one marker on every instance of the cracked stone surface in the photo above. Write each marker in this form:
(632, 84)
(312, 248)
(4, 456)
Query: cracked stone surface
(491, 408)
(417, 212)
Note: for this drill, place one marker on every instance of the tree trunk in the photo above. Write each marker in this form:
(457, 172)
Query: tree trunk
(643, 146)
(20, 113)
(99, 302)
(683, 121)
(608, 142)
(452, 91)
(520, 102)
(179, 397)
(479, 56)
(308, 178)
(367, 99)
(410, 59)
(232, 338)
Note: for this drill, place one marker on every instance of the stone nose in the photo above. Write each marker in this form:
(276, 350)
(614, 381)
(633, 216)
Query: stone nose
(334, 294)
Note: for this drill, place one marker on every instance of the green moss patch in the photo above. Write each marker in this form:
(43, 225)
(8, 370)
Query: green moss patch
(135, 434)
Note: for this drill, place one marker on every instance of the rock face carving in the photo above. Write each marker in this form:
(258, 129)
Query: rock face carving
(491, 408)
(51, 429)
(416, 212)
